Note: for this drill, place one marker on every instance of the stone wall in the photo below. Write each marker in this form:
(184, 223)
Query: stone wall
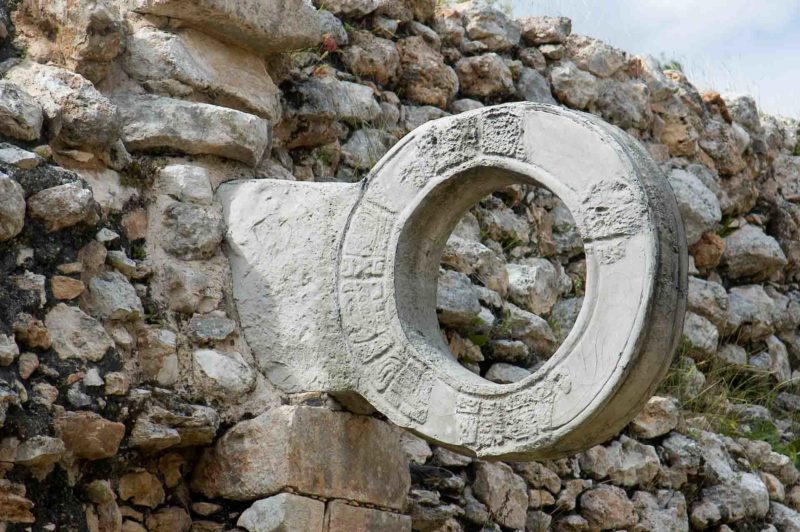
(130, 401)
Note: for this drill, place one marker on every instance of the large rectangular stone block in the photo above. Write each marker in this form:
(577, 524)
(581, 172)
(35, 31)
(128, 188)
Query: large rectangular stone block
(342, 517)
(313, 451)
(266, 26)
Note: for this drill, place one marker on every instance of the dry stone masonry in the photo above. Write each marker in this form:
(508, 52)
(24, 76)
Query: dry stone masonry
(151, 379)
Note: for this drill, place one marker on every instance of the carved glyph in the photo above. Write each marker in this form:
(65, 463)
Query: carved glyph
(335, 283)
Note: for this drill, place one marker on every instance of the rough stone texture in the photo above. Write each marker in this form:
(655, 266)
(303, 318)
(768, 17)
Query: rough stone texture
(503, 492)
(698, 205)
(372, 57)
(76, 335)
(284, 512)
(749, 252)
(659, 416)
(266, 27)
(88, 435)
(155, 122)
(484, 76)
(425, 78)
(20, 116)
(398, 381)
(12, 208)
(545, 30)
(290, 447)
(342, 517)
(62, 206)
(78, 114)
(607, 507)
(232, 77)
(112, 297)
(193, 231)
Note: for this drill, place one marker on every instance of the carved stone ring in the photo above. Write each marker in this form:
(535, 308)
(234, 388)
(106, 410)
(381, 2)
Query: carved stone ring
(335, 283)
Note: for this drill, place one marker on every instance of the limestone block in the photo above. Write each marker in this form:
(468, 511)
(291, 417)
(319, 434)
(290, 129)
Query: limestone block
(12, 208)
(20, 116)
(312, 450)
(231, 76)
(336, 284)
(155, 122)
(76, 335)
(266, 27)
(749, 252)
(342, 517)
(284, 512)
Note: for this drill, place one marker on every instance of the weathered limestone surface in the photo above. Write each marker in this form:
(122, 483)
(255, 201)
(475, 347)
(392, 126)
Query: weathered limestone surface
(383, 271)
(295, 447)
(267, 27)
(155, 122)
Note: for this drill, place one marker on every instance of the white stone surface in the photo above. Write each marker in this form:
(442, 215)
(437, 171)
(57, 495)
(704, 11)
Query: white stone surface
(335, 284)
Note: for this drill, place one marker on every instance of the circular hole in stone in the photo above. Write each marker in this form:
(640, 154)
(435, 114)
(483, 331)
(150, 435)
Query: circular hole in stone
(511, 282)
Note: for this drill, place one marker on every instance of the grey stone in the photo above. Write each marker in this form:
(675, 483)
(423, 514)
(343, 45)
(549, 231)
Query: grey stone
(329, 98)
(364, 148)
(154, 122)
(343, 517)
(78, 114)
(624, 104)
(39, 451)
(666, 510)
(744, 110)
(626, 462)
(265, 27)
(708, 299)
(700, 336)
(527, 327)
(733, 354)
(786, 169)
(284, 512)
(193, 231)
(112, 297)
(572, 86)
(210, 328)
(698, 205)
(492, 28)
(21, 116)
(331, 25)
(188, 183)
(222, 375)
(595, 56)
(290, 446)
(457, 303)
(12, 208)
(18, 157)
(503, 373)
(784, 517)
(76, 335)
(503, 493)
(534, 87)
(63, 205)
(416, 115)
(9, 350)
(545, 30)
(751, 312)
(532, 285)
(474, 259)
(751, 253)
(425, 78)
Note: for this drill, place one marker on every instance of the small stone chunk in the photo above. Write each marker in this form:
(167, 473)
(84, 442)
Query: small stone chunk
(607, 507)
(545, 30)
(76, 334)
(284, 512)
(207, 329)
(112, 297)
(659, 416)
(194, 231)
(749, 252)
(39, 451)
(12, 208)
(141, 488)
(18, 157)
(503, 492)
(8, 350)
(222, 375)
(21, 116)
(503, 373)
(66, 288)
(28, 363)
(88, 435)
(62, 206)
(116, 383)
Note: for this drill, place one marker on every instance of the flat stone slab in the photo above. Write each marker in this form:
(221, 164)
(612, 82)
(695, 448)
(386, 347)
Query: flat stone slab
(313, 451)
(266, 26)
(336, 283)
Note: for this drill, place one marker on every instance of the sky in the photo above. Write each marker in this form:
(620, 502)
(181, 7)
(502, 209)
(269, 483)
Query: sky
(737, 46)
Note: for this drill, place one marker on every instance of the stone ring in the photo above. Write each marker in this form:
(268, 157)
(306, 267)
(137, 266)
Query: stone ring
(368, 327)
